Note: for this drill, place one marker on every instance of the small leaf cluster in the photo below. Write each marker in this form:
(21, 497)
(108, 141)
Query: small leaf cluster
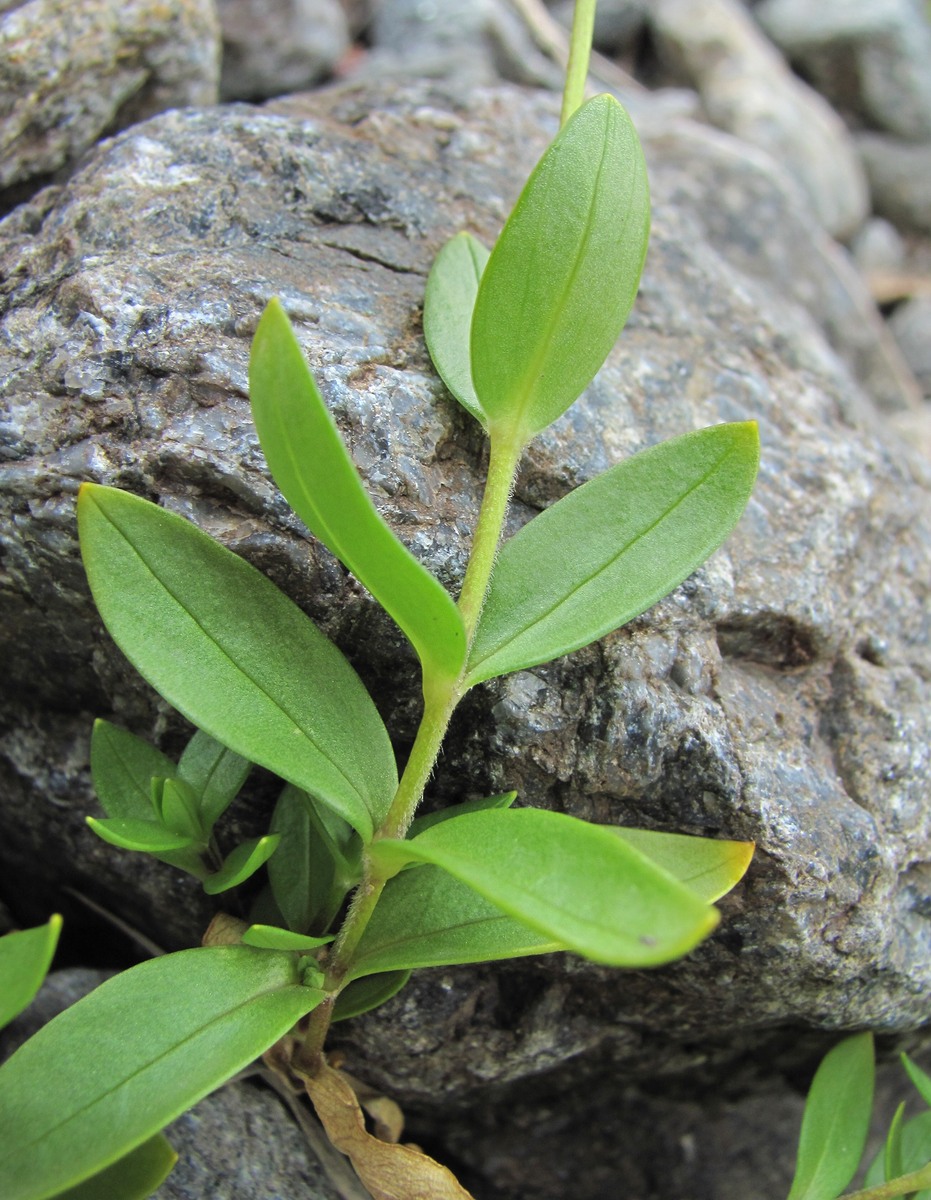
(361, 890)
(836, 1123)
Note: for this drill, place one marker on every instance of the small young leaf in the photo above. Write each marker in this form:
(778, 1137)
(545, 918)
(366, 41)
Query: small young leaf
(916, 1154)
(572, 882)
(447, 316)
(234, 655)
(428, 918)
(919, 1078)
(244, 861)
(316, 864)
(428, 820)
(319, 480)
(892, 1151)
(133, 1177)
(122, 768)
(708, 867)
(25, 957)
(269, 937)
(176, 807)
(563, 275)
(214, 773)
(362, 995)
(836, 1120)
(152, 837)
(118, 1080)
(609, 550)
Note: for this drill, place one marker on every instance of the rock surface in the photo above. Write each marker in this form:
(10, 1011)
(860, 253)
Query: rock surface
(70, 73)
(780, 695)
(747, 89)
(271, 47)
(900, 179)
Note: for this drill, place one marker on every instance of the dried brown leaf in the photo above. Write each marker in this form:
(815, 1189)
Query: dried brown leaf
(390, 1172)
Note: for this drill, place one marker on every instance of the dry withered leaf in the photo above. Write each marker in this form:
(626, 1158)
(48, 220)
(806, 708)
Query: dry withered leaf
(389, 1171)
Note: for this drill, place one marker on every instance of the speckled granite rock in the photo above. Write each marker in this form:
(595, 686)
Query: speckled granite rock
(780, 695)
(71, 72)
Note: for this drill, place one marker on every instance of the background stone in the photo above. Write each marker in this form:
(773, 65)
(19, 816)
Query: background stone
(747, 89)
(781, 694)
(271, 47)
(69, 73)
(900, 179)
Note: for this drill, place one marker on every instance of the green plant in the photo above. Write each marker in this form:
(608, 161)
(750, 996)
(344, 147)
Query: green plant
(361, 891)
(835, 1125)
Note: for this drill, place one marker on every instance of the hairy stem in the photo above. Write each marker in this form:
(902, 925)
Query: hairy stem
(905, 1184)
(580, 48)
(440, 700)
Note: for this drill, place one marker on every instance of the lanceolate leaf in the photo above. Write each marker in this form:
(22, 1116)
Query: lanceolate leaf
(113, 1080)
(836, 1121)
(242, 862)
(25, 956)
(362, 995)
(563, 275)
(428, 918)
(312, 467)
(215, 774)
(915, 1152)
(708, 867)
(268, 937)
(447, 316)
(919, 1078)
(234, 655)
(572, 882)
(122, 768)
(131, 1178)
(613, 547)
(152, 837)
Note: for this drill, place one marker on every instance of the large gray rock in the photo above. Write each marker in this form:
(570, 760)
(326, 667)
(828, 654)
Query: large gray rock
(71, 72)
(781, 695)
(871, 55)
(747, 89)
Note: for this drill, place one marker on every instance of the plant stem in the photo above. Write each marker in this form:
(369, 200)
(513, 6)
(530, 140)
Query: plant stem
(580, 48)
(913, 1182)
(440, 700)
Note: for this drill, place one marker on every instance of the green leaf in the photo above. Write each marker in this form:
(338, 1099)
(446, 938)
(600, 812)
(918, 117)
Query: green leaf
(152, 837)
(919, 1078)
(428, 820)
(447, 316)
(315, 865)
(362, 995)
(892, 1150)
(270, 937)
(563, 275)
(215, 774)
(122, 768)
(428, 918)
(707, 866)
(113, 1079)
(25, 957)
(176, 806)
(234, 655)
(244, 861)
(916, 1154)
(133, 1177)
(318, 479)
(572, 882)
(836, 1121)
(613, 547)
